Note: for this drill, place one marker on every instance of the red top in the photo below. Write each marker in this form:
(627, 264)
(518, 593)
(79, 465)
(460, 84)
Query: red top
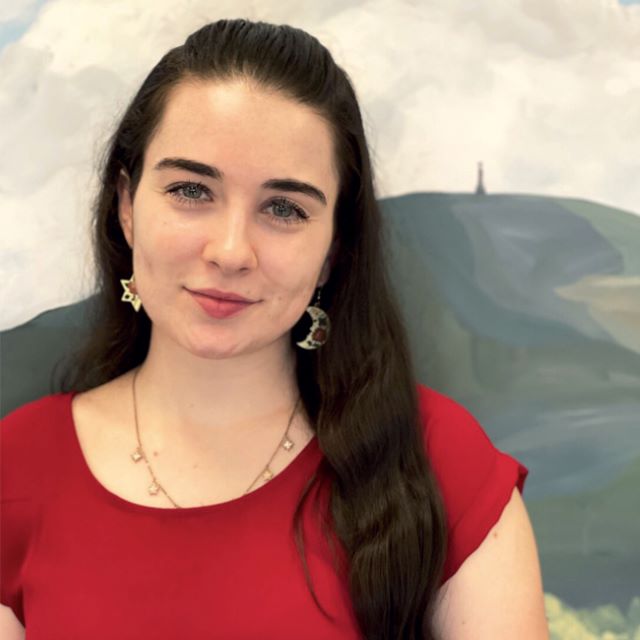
(80, 562)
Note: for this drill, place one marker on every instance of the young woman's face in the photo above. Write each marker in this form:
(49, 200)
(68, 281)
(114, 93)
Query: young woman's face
(205, 216)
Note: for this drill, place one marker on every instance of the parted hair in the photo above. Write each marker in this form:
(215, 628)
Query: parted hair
(384, 510)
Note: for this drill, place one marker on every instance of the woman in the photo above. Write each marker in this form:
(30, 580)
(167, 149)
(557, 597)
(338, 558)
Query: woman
(240, 449)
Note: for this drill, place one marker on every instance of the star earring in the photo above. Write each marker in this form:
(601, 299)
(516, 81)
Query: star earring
(131, 293)
(320, 325)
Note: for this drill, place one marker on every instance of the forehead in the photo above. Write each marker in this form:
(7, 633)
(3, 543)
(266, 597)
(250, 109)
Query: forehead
(246, 131)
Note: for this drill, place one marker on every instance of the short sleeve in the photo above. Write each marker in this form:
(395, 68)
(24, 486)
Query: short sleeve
(476, 479)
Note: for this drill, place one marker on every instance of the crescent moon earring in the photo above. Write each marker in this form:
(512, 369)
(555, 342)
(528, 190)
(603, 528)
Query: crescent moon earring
(131, 293)
(320, 325)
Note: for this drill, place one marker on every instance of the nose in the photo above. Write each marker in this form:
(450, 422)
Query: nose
(229, 244)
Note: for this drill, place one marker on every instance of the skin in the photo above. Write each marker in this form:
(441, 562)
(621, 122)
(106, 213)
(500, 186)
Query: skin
(230, 236)
(498, 591)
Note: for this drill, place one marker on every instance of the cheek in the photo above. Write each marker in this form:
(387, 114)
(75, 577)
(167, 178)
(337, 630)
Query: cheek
(287, 308)
(293, 277)
(161, 261)
(165, 246)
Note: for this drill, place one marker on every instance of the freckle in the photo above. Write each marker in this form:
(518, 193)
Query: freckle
(495, 534)
(155, 453)
(195, 466)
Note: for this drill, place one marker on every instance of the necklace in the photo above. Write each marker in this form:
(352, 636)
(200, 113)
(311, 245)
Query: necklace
(155, 487)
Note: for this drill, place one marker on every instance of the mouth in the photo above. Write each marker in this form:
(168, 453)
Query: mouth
(217, 306)
(216, 294)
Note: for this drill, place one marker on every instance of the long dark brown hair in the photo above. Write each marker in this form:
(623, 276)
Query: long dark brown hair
(358, 389)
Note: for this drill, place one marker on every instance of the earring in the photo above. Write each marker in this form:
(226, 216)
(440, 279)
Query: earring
(131, 293)
(320, 325)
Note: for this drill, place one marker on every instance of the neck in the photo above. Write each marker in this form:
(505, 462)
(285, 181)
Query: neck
(200, 397)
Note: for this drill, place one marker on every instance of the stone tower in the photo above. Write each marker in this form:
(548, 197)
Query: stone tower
(480, 190)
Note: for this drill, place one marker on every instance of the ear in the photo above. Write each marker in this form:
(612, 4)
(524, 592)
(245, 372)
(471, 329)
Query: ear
(328, 264)
(125, 207)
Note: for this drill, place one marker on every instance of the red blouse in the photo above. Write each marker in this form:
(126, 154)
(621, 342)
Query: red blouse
(80, 562)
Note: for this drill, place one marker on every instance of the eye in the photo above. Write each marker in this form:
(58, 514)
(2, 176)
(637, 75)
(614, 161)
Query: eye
(191, 189)
(286, 211)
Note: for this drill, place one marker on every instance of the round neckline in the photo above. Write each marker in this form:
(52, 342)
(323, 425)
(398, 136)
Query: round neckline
(261, 492)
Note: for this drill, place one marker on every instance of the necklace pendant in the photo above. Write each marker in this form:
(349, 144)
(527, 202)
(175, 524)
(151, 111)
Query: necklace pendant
(154, 487)
(268, 474)
(287, 444)
(136, 456)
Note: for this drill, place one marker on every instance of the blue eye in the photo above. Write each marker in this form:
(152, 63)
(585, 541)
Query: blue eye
(297, 214)
(190, 188)
(285, 211)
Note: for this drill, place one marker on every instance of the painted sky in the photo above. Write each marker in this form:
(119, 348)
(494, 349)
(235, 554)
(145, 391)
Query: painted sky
(545, 92)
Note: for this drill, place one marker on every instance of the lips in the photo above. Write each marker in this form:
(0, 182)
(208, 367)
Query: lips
(219, 307)
(221, 295)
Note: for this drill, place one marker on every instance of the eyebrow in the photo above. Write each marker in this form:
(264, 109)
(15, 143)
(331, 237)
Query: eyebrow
(280, 184)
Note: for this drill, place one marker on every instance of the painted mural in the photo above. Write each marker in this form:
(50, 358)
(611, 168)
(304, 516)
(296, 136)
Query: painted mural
(519, 279)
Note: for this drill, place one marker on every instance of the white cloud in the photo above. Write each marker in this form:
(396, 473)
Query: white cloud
(545, 92)
(17, 10)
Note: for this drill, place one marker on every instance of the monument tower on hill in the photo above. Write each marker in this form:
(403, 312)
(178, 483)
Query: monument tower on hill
(480, 190)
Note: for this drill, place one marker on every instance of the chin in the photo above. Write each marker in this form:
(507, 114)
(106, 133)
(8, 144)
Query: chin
(217, 351)
(221, 344)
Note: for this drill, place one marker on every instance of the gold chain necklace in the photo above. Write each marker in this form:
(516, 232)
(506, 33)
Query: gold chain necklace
(156, 487)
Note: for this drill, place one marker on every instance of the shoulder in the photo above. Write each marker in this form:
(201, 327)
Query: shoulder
(26, 423)
(30, 438)
(476, 479)
(27, 420)
(460, 453)
(455, 440)
(439, 411)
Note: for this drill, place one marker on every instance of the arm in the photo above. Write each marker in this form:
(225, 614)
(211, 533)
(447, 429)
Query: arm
(497, 592)
(10, 626)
